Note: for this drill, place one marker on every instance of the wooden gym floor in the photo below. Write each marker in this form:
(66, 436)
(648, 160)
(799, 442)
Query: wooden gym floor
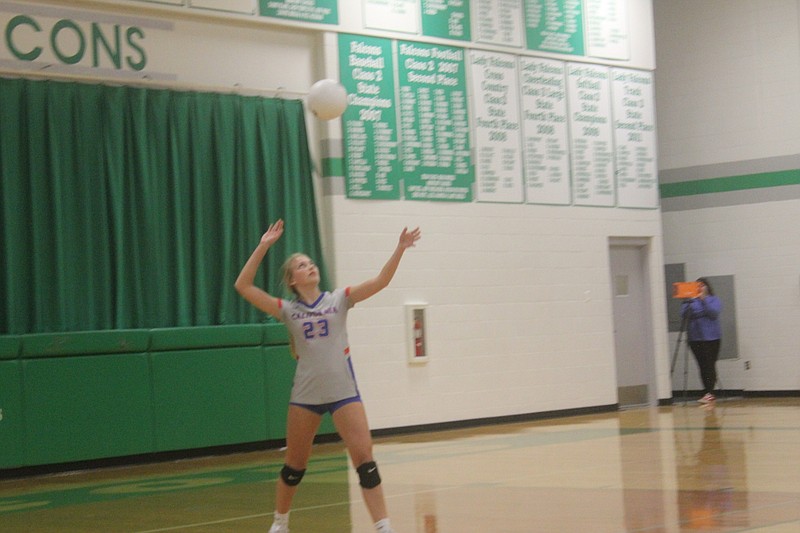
(731, 467)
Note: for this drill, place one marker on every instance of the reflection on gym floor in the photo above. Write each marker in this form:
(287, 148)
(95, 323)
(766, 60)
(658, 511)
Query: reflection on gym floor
(730, 467)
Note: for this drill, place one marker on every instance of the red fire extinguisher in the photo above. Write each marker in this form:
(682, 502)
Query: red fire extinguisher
(419, 340)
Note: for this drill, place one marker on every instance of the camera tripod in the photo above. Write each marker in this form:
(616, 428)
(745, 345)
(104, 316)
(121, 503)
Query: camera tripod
(684, 322)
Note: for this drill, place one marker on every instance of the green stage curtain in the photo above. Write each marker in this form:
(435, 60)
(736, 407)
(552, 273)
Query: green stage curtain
(126, 207)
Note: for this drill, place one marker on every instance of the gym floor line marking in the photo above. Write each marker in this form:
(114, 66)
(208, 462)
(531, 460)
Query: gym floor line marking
(295, 510)
(238, 518)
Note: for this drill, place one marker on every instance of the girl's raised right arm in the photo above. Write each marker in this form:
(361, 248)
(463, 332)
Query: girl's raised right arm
(257, 296)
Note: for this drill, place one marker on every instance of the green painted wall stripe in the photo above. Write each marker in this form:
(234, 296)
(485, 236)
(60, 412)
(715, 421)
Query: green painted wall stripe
(732, 183)
(332, 166)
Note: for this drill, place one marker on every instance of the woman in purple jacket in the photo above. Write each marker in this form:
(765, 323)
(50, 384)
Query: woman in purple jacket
(704, 334)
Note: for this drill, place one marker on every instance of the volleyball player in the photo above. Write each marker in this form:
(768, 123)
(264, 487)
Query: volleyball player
(324, 380)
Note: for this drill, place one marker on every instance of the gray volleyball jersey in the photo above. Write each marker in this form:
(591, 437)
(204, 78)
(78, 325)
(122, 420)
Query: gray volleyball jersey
(324, 372)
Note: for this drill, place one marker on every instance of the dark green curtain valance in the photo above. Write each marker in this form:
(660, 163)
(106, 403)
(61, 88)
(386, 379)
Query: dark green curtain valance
(126, 207)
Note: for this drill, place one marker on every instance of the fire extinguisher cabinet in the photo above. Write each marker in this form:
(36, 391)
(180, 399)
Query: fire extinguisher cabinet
(416, 333)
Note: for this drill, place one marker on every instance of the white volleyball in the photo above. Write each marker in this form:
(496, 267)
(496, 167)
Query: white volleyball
(327, 99)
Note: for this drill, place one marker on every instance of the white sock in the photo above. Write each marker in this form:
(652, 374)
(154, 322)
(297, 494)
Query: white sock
(383, 526)
(281, 519)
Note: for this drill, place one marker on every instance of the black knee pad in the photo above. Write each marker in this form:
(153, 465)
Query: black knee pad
(368, 475)
(290, 476)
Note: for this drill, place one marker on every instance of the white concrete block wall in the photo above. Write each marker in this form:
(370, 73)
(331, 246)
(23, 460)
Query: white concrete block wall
(519, 316)
(728, 92)
(757, 245)
(727, 80)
